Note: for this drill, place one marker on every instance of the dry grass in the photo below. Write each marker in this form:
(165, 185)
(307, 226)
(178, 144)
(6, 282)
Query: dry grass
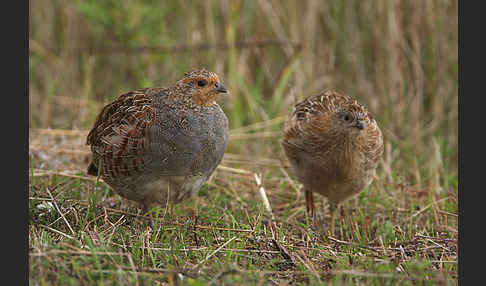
(400, 58)
(392, 233)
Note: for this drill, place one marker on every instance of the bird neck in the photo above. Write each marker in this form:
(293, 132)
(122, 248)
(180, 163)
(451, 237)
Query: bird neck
(204, 99)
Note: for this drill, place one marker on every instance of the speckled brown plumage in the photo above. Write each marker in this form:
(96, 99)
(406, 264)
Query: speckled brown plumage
(334, 146)
(159, 145)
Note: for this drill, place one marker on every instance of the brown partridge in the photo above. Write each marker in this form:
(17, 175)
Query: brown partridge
(159, 145)
(334, 146)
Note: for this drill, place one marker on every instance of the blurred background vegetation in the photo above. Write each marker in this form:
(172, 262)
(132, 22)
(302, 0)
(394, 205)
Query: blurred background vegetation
(399, 58)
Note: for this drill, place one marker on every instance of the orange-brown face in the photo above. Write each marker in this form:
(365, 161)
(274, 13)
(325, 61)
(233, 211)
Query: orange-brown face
(205, 86)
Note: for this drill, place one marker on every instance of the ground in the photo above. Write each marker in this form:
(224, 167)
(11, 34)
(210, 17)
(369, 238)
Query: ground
(81, 232)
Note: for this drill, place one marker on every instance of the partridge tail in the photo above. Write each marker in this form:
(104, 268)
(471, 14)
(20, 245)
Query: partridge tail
(92, 169)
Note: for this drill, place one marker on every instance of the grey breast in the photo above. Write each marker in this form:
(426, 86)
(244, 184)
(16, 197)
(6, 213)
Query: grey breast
(189, 142)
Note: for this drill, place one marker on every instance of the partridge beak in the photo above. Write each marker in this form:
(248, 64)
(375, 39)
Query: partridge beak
(360, 124)
(219, 88)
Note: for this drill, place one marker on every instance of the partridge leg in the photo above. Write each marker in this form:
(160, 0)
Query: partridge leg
(309, 202)
(145, 210)
(333, 207)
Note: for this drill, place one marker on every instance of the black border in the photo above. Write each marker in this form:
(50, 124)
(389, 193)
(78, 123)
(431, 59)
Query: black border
(17, 31)
(471, 90)
(15, 144)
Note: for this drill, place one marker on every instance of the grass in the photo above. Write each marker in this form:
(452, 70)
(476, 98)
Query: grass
(399, 58)
(82, 233)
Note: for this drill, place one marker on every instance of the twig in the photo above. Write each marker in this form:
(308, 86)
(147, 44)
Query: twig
(132, 265)
(214, 252)
(292, 183)
(263, 194)
(61, 132)
(71, 252)
(437, 238)
(217, 228)
(258, 179)
(258, 135)
(259, 125)
(428, 206)
(448, 213)
(184, 271)
(40, 173)
(244, 159)
(367, 274)
(56, 231)
(264, 134)
(352, 244)
(438, 245)
(234, 170)
(380, 239)
(59, 211)
(308, 264)
(285, 253)
(200, 249)
(173, 222)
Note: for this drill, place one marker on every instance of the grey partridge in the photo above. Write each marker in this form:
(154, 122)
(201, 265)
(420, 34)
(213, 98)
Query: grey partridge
(159, 145)
(334, 146)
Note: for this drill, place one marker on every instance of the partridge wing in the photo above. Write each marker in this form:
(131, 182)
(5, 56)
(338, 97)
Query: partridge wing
(120, 139)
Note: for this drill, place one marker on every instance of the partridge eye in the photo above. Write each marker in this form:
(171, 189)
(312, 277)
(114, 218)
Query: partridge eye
(347, 117)
(201, 83)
